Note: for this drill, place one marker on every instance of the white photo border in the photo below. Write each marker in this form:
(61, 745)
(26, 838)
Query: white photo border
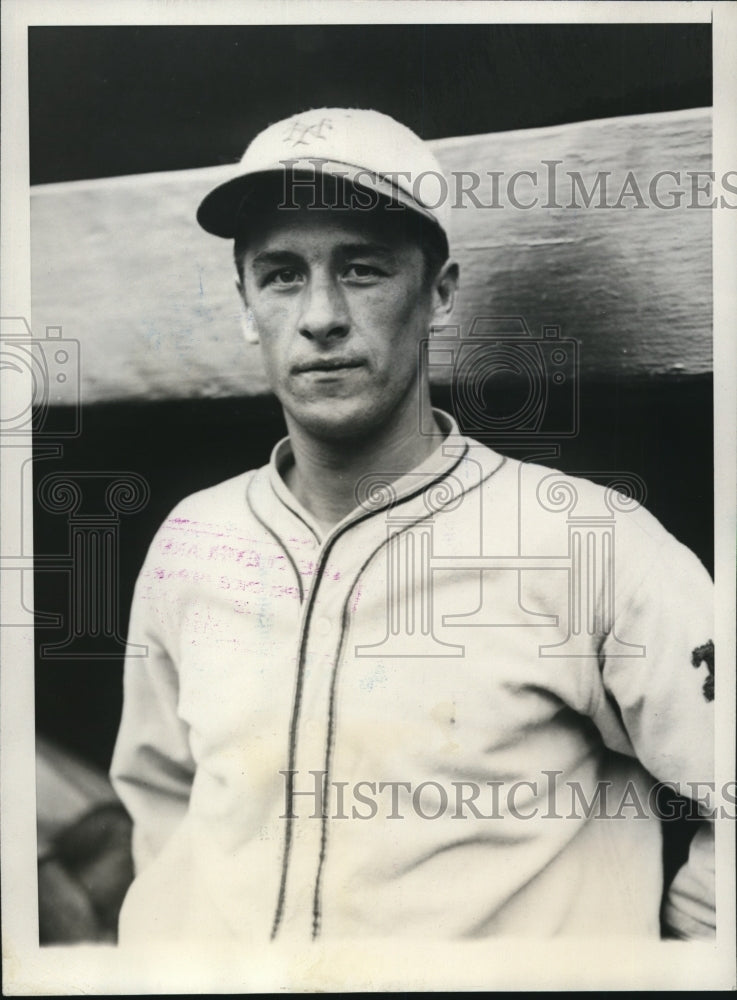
(360, 966)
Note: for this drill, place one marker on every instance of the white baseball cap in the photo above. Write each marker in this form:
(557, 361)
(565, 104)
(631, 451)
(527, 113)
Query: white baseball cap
(368, 149)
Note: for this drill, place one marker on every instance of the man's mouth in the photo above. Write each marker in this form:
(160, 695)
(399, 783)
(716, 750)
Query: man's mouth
(328, 365)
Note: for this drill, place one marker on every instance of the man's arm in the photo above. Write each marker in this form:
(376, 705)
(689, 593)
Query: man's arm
(666, 702)
(689, 910)
(152, 767)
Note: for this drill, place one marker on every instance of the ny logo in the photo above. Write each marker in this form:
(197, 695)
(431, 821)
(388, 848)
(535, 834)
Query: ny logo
(301, 132)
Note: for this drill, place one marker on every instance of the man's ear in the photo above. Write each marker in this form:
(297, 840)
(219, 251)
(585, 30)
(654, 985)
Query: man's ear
(248, 322)
(444, 290)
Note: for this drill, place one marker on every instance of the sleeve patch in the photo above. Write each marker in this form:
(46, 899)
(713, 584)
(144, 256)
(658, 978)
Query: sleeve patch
(705, 654)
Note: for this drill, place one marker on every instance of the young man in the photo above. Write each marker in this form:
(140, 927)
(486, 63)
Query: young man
(396, 683)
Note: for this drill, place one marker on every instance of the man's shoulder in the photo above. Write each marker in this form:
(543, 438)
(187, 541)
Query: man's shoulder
(222, 502)
(546, 512)
(544, 494)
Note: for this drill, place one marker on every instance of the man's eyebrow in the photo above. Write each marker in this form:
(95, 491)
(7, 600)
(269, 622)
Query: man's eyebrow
(281, 258)
(271, 258)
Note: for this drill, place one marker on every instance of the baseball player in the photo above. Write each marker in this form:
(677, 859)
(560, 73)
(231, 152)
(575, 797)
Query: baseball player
(396, 683)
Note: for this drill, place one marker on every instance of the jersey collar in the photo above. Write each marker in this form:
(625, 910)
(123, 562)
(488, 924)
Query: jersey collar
(451, 446)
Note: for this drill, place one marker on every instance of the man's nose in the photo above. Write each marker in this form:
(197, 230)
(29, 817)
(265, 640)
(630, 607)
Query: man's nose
(324, 315)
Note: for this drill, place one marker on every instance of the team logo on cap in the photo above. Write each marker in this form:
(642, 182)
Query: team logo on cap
(302, 133)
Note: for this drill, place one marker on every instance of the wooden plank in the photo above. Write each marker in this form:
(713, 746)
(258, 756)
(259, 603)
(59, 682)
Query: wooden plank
(123, 267)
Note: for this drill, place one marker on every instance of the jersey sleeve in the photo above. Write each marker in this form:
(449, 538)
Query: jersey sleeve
(665, 698)
(152, 766)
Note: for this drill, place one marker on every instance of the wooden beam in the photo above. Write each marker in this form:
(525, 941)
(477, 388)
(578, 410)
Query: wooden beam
(121, 265)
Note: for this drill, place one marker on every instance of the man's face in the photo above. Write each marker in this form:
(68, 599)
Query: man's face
(340, 301)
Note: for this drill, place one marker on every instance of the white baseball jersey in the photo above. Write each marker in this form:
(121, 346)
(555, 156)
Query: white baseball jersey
(446, 718)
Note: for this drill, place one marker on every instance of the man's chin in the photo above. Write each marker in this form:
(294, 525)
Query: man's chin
(336, 420)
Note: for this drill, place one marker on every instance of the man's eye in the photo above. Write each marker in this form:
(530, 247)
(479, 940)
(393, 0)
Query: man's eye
(284, 276)
(362, 271)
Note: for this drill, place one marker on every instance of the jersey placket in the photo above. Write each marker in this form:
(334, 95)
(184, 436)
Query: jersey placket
(320, 646)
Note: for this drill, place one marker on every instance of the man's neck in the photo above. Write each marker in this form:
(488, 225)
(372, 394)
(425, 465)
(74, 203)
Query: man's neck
(325, 474)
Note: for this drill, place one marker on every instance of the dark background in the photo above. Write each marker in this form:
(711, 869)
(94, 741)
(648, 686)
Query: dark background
(123, 100)
(111, 101)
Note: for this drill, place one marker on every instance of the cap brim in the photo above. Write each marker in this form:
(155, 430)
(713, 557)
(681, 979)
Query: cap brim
(222, 212)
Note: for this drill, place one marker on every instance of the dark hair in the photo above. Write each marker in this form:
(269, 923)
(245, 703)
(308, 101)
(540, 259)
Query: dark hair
(413, 226)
